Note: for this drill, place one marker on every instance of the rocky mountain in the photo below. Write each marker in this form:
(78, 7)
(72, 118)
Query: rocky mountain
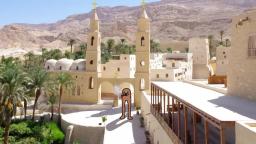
(172, 20)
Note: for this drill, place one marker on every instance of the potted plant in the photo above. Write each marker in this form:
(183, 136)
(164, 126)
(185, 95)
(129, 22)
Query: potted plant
(104, 119)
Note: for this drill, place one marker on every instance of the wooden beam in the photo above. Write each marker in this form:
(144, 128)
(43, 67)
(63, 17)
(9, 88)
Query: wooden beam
(186, 124)
(179, 119)
(194, 127)
(164, 96)
(205, 131)
(172, 113)
(222, 136)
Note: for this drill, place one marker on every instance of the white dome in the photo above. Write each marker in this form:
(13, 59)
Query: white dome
(78, 65)
(50, 64)
(64, 64)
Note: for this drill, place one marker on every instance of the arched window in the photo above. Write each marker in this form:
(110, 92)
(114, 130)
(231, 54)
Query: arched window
(104, 68)
(77, 68)
(60, 67)
(166, 75)
(48, 67)
(74, 91)
(118, 69)
(142, 41)
(142, 84)
(92, 41)
(252, 46)
(157, 76)
(78, 90)
(91, 62)
(91, 83)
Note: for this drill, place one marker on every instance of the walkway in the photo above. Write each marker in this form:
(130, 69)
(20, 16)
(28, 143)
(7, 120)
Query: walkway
(116, 131)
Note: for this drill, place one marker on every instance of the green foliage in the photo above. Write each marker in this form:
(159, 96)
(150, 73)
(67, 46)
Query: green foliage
(28, 132)
(56, 134)
(104, 119)
(169, 50)
(20, 129)
(154, 46)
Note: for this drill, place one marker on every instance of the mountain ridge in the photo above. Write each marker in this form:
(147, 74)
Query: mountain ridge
(171, 20)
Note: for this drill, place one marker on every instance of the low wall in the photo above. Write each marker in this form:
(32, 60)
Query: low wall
(245, 132)
(84, 134)
(151, 124)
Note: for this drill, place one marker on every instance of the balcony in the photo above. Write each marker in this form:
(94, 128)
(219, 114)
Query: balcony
(189, 120)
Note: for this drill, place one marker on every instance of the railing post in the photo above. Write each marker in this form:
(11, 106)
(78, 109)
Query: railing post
(173, 113)
(205, 131)
(186, 124)
(194, 127)
(178, 119)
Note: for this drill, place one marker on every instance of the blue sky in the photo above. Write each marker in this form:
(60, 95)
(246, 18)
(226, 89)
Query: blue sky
(47, 11)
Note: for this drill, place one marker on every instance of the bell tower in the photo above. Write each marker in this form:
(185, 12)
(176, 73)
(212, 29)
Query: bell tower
(142, 75)
(93, 59)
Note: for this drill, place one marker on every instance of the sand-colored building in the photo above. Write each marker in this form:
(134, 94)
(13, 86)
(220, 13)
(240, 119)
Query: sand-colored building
(222, 54)
(199, 47)
(242, 58)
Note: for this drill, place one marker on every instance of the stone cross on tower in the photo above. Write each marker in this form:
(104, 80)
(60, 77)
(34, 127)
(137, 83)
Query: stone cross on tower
(94, 4)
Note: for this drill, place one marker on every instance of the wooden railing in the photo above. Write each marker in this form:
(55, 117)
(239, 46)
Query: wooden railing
(183, 122)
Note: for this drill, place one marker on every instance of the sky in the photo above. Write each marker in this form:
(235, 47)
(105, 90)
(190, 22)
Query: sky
(48, 11)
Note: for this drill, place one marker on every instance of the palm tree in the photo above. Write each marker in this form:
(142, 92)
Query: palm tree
(12, 80)
(38, 80)
(63, 80)
(71, 43)
(110, 45)
(221, 36)
(52, 93)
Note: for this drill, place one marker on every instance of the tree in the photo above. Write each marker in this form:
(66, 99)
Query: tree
(71, 43)
(221, 37)
(154, 46)
(169, 50)
(12, 80)
(38, 79)
(52, 93)
(63, 80)
(110, 45)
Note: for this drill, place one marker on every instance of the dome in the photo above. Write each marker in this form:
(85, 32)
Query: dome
(78, 65)
(64, 64)
(50, 64)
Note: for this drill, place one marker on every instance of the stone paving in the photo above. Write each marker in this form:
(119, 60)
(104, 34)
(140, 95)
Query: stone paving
(116, 131)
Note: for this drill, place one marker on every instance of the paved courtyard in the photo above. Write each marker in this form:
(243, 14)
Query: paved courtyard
(116, 131)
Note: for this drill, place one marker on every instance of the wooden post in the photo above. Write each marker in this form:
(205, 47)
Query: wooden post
(222, 135)
(160, 106)
(179, 119)
(194, 127)
(205, 131)
(186, 124)
(172, 113)
(168, 108)
(164, 96)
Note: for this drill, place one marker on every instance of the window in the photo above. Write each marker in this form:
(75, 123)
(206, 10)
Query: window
(142, 42)
(73, 91)
(60, 67)
(78, 90)
(157, 75)
(166, 75)
(91, 83)
(104, 68)
(173, 64)
(92, 41)
(77, 68)
(252, 46)
(118, 69)
(142, 63)
(142, 84)
(48, 67)
(91, 62)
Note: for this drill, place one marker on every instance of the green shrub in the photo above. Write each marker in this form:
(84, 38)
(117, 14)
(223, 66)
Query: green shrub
(20, 129)
(28, 140)
(57, 136)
